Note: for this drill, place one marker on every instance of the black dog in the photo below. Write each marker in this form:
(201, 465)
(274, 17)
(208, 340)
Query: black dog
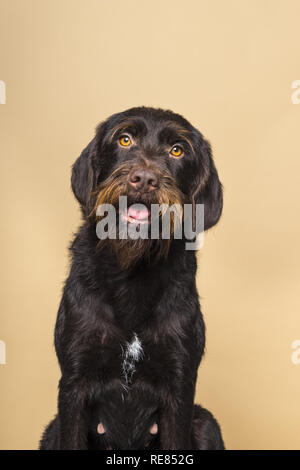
(129, 334)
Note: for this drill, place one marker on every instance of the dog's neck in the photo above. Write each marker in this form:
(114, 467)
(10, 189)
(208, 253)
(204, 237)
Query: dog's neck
(133, 292)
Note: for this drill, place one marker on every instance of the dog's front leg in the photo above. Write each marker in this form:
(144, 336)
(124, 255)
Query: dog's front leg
(175, 421)
(73, 414)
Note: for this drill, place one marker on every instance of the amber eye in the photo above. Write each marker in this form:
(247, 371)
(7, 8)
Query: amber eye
(176, 151)
(125, 140)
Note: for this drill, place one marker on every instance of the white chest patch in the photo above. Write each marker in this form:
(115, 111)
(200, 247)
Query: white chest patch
(131, 355)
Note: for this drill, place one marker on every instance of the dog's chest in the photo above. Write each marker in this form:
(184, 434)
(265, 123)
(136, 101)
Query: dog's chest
(135, 299)
(132, 354)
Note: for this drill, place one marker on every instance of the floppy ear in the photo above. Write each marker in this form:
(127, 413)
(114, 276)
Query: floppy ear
(83, 176)
(208, 190)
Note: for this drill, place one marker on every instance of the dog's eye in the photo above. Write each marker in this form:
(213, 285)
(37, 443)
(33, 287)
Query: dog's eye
(176, 151)
(125, 140)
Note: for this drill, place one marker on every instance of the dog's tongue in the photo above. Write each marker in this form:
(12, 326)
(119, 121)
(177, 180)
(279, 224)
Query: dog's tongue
(138, 214)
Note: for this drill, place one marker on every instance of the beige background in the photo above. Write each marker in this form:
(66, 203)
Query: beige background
(228, 67)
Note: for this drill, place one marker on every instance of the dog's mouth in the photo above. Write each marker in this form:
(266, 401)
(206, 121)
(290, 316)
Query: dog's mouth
(136, 214)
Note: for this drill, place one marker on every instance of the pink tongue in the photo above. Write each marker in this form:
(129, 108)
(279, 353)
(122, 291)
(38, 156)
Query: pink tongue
(139, 214)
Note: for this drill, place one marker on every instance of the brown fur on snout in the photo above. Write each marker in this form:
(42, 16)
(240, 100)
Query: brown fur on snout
(129, 251)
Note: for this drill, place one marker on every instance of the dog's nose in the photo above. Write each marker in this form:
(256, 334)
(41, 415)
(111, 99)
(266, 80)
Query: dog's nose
(143, 179)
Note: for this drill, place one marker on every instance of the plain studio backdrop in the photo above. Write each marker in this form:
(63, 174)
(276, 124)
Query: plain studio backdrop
(228, 67)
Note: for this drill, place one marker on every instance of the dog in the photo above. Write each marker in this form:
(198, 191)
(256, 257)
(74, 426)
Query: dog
(129, 334)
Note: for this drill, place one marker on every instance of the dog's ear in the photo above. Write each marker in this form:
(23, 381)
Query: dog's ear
(208, 188)
(83, 177)
(87, 170)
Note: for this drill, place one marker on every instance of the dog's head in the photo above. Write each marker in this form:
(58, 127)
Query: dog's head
(152, 157)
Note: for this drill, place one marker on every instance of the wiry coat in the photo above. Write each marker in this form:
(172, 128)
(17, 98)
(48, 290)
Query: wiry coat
(129, 339)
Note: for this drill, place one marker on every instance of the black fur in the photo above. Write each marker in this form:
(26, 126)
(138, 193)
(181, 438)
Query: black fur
(154, 296)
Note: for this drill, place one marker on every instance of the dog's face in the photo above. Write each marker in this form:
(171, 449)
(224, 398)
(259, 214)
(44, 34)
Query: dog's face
(152, 157)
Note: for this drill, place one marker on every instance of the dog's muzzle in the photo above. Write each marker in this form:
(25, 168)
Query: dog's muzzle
(143, 186)
(143, 179)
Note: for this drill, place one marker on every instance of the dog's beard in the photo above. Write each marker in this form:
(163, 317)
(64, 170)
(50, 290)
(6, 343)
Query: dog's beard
(130, 251)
